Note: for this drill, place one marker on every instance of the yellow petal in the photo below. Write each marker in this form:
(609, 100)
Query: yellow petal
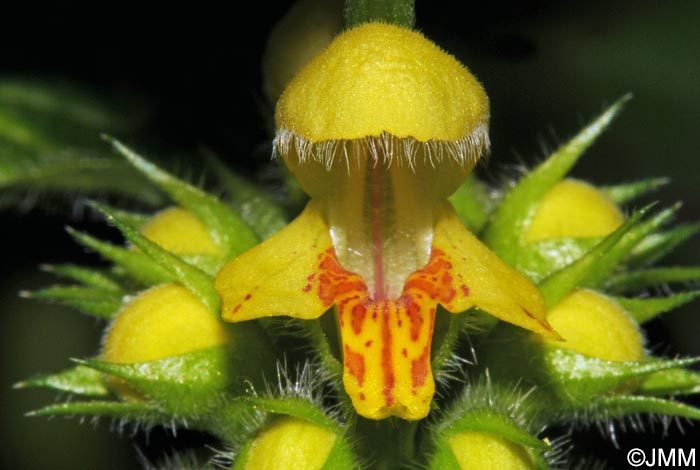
(379, 78)
(486, 451)
(474, 276)
(277, 277)
(180, 231)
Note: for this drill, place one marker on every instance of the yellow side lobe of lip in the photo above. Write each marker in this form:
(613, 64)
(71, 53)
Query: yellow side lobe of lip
(481, 279)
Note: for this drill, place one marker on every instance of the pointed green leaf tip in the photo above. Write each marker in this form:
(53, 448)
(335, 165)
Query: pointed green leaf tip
(508, 225)
(637, 280)
(671, 382)
(79, 380)
(643, 310)
(137, 264)
(613, 407)
(95, 301)
(623, 193)
(226, 226)
(198, 282)
(89, 277)
(142, 412)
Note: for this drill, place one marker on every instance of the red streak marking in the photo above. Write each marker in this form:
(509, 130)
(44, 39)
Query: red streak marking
(237, 308)
(404, 352)
(358, 317)
(387, 363)
(311, 277)
(413, 311)
(419, 368)
(368, 344)
(465, 290)
(307, 288)
(355, 363)
(247, 297)
(362, 396)
(377, 238)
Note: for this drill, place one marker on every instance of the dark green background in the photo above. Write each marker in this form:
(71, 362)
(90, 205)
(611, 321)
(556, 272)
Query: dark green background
(547, 66)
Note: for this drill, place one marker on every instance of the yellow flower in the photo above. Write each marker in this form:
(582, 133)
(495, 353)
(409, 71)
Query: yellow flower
(379, 129)
(596, 326)
(180, 231)
(574, 209)
(288, 443)
(488, 452)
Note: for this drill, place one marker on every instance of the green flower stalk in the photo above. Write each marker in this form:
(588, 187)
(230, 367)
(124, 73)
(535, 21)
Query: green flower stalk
(336, 338)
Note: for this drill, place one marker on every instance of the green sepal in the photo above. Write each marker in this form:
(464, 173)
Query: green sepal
(79, 380)
(256, 207)
(509, 223)
(556, 286)
(98, 302)
(225, 225)
(137, 264)
(641, 279)
(186, 385)
(671, 383)
(657, 245)
(130, 411)
(195, 280)
(292, 406)
(398, 12)
(89, 277)
(484, 421)
(624, 405)
(643, 310)
(577, 379)
(472, 203)
(627, 192)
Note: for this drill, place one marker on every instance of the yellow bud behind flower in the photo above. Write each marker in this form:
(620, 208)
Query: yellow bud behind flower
(303, 32)
(489, 452)
(163, 321)
(180, 231)
(596, 326)
(574, 209)
(289, 444)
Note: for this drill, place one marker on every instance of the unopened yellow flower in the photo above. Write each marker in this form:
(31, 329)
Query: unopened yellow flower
(596, 326)
(485, 451)
(289, 444)
(574, 209)
(163, 321)
(180, 231)
(379, 129)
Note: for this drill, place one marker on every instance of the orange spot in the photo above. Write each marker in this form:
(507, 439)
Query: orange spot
(247, 297)
(465, 290)
(419, 368)
(237, 308)
(358, 317)
(307, 288)
(355, 364)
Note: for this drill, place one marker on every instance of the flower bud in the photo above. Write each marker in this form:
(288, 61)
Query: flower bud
(596, 326)
(487, 451)
(289, 443)
(304, 31)
(181, 232)
(574, 209)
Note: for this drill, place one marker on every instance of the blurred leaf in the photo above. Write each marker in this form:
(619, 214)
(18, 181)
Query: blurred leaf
(636, 280)
(225, 225)
(79, 380)
(472, 203)
(137, 264)
(509, 222)
(256, 207)
(197, 281)
(617, 406)
(624, 193)
(101, 303)
(658, 245)
(643, 310)
(671, 382)
(87, 276)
